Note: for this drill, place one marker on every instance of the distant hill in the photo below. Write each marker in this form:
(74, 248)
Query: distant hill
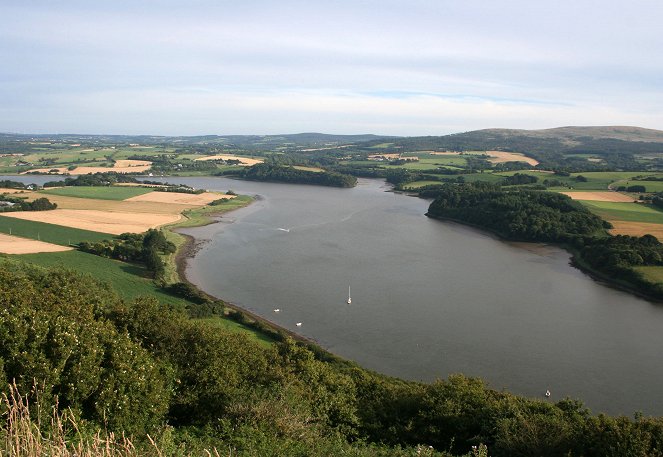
(247, 141)
(624, 133)
(618, 148)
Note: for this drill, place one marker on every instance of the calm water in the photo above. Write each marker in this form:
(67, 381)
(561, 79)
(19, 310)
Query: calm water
(429, 298)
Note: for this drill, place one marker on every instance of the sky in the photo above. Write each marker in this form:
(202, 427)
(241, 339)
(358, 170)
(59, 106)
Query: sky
(391, 67)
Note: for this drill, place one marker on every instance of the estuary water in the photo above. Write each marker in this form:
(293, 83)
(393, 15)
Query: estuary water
(429, 298)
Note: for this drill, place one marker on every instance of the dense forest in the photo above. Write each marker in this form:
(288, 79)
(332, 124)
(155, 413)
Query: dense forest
(279, 173)
(516, 214)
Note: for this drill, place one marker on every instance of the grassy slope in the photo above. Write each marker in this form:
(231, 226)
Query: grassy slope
(101, 193)
(128, 280)
(232, 326)
(51, 233)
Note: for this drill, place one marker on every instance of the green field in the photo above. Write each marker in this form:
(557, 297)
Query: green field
(201, 216)
(128, 280)
(50, 233)
(652, 274)
(597, 180)
(99, 193)
(631, 212)
(650, 186)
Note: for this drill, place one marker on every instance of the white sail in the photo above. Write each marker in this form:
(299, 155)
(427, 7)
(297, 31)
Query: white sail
(349, 297)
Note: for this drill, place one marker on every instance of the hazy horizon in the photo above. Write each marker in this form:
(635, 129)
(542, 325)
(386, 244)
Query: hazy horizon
(170, 68)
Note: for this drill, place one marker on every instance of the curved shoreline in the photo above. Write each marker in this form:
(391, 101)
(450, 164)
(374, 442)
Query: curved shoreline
(574, 261)
(188, 250)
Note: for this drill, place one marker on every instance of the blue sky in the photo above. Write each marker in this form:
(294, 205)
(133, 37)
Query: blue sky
(390, 67)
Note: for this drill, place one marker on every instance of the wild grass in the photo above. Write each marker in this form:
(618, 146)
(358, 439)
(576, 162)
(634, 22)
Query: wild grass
(24, 435)
(26, 430)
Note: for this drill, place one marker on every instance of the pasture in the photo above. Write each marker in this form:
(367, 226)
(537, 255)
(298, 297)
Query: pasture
(630, 212)
(99, 193)
(98, 221)
(130, 281)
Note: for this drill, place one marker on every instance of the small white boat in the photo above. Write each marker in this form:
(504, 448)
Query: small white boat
(349, 297)
(547, 394)
(298, 324)
(277, 310)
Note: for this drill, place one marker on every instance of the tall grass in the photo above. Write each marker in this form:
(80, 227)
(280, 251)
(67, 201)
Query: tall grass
(24, 433)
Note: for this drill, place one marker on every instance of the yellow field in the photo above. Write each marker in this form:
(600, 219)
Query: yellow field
(17, 245)
(600, 196)
(65, 202)
(121, 166)
(98, 221)
(501, 157)
(179, 198)
(243, 160)
(637, 229)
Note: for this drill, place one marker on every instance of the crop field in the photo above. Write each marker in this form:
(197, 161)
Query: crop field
(50, 233)
(382, 146)
(98, 221)
(631, 212)
(180, 198)
(650, 186)
(501, 157)
(128, 280)
(100, 193)
(600, 196)
(595, 180)
(637, 229)
(418, 184)
(243, 160)
(10, 244)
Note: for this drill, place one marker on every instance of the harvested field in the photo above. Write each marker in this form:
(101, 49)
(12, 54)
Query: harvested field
(243, 160)
(445, 153)
(4, 190)
(386, 156)
(179, 198)
(637, 229)
(67, 202)
(16, 245)
(99, 221)
(501, 157)
(600, 196)
(121, 166)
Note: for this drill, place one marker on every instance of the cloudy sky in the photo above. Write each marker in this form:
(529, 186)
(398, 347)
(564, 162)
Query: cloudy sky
(415, 67)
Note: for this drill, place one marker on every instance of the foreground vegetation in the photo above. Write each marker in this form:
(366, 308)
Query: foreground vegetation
(138, 368)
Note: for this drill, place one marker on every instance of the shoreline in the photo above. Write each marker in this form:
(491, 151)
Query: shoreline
(188, 250)
(574, 261)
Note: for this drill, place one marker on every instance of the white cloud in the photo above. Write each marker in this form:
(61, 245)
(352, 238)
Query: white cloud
(397, 65)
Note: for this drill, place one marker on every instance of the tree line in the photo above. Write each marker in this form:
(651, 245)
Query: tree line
(288, 174)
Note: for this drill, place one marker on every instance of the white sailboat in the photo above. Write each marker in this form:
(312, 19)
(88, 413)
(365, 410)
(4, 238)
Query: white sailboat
(349, 297)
